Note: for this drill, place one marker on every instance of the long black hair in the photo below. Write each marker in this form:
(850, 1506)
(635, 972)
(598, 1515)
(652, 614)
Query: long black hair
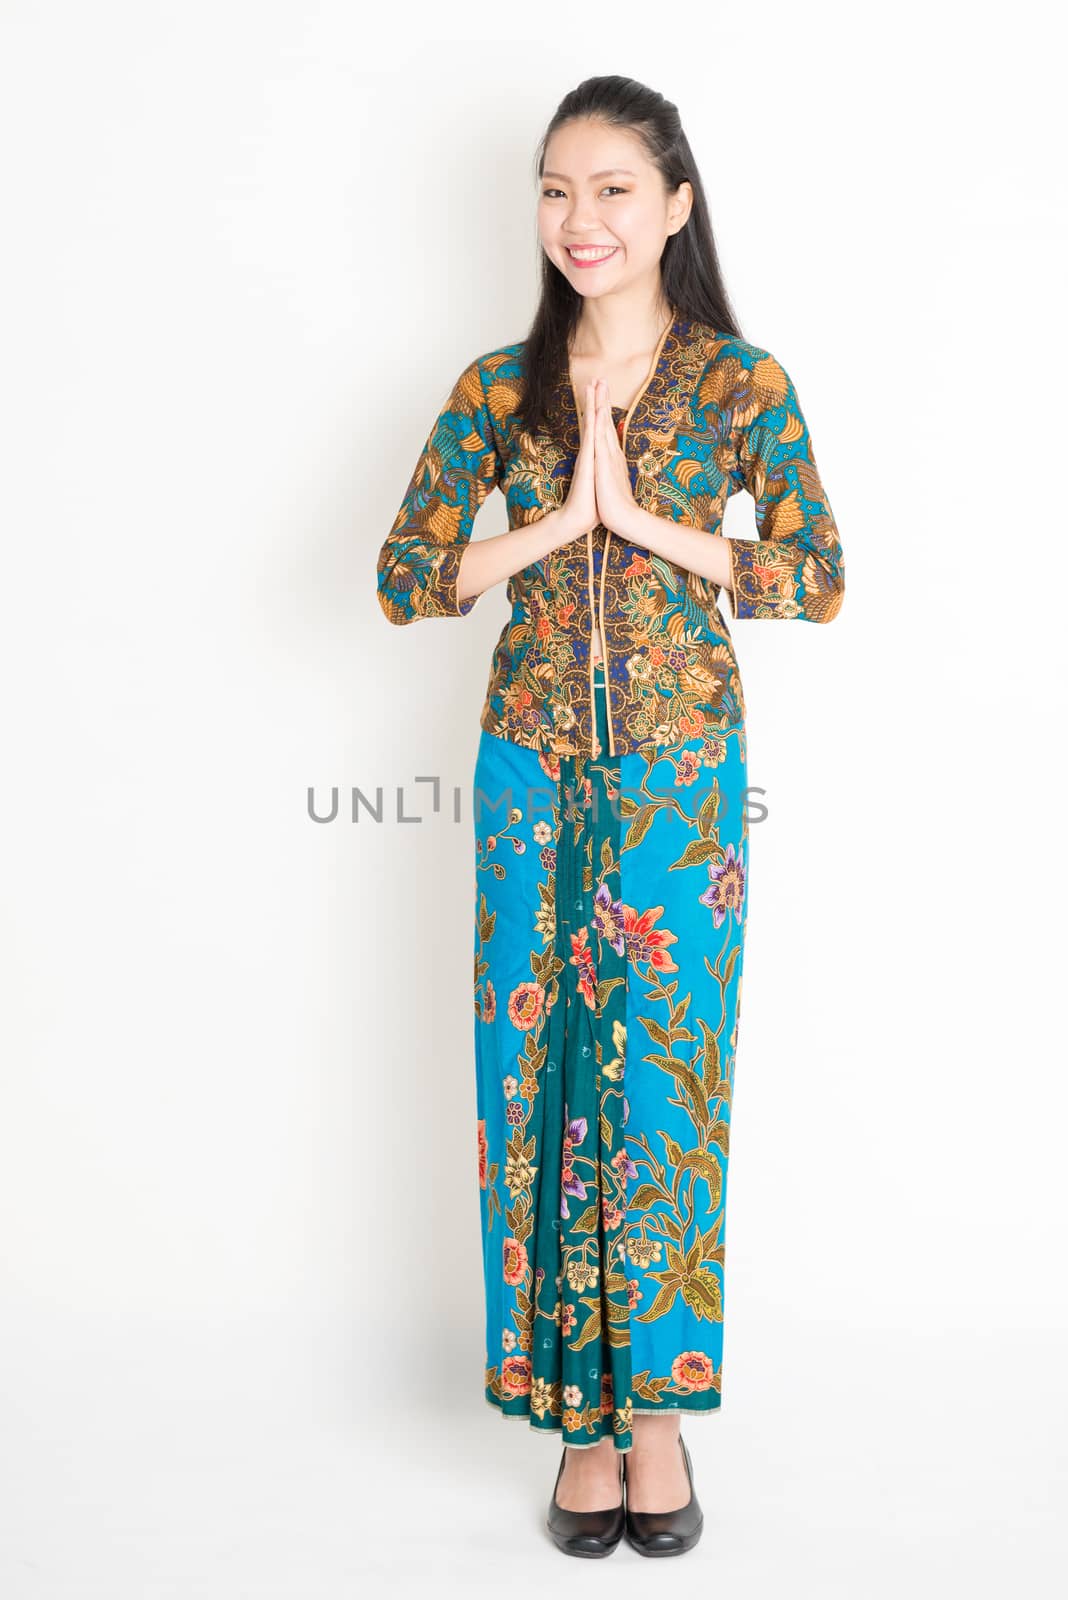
(689, 266)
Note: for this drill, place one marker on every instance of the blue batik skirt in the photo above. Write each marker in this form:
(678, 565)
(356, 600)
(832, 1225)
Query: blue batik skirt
(610, 910)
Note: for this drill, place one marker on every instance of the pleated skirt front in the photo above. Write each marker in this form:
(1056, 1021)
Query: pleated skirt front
(610, 910)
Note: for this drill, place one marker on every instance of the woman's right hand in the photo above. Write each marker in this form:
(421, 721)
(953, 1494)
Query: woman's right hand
(578, 514)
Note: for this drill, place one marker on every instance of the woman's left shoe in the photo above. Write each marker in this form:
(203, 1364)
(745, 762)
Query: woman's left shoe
(666, 1533)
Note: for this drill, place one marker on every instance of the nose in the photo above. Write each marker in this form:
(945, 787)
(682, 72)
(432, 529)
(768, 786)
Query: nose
(581, 219)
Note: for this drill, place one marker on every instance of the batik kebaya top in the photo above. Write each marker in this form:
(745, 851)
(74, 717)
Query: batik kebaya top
(714, 416)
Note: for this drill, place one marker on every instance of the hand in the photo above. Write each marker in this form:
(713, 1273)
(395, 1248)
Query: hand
(579, 511)
(616, 505)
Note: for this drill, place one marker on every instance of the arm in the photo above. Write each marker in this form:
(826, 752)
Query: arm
(795, 567)
(428, 566)
(487, 562)
(419, 563)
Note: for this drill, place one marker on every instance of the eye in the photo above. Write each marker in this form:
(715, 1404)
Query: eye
(616, 188)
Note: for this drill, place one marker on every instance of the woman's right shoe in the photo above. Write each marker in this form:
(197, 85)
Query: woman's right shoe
(585, 1533)
(667, 1533)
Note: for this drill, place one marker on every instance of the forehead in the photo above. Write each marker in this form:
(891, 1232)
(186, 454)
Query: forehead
(588, 151)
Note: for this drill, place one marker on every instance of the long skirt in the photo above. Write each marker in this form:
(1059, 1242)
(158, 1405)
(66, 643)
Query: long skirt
(610, 910)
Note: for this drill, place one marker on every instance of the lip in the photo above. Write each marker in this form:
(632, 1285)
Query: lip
(613, 250)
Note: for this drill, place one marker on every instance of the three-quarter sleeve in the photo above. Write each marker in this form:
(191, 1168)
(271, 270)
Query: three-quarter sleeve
(795, 567)
(459, 465)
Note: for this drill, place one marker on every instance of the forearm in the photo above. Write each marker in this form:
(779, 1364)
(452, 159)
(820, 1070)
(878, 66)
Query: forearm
(486, 562)
(694, 549)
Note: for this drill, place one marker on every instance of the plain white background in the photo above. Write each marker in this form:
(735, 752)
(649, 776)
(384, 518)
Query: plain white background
(248, 249)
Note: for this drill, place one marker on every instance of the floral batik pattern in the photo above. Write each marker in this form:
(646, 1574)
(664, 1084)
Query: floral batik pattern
(610, 905)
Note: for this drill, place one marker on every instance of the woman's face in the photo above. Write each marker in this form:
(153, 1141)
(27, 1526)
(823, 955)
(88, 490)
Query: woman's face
(599, 188)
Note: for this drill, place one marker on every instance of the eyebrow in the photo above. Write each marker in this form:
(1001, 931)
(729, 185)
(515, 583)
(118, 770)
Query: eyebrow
(605, 173)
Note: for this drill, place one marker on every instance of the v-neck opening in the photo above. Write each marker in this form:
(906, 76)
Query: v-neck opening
(628, 411)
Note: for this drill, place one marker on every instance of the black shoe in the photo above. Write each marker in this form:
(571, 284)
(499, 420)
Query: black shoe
(667, 1533)
(585, 1533)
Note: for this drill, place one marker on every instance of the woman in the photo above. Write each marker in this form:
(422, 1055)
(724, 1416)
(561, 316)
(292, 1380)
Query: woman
(611, 837)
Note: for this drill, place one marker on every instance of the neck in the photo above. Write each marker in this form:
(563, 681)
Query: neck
(616, 328)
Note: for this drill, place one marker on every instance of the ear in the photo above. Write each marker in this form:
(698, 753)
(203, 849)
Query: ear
(680, 206)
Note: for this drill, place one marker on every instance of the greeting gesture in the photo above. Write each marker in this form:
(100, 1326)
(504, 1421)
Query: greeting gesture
(600, 483)
(581, 503)
(616, 505)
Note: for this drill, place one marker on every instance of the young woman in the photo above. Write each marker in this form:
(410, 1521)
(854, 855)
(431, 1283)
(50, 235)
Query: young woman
(611, 836)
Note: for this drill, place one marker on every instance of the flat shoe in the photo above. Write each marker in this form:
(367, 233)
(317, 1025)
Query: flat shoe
(584, 1533)
(666, 1533)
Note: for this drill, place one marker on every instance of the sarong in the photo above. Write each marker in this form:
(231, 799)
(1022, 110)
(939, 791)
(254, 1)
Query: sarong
(610, 909)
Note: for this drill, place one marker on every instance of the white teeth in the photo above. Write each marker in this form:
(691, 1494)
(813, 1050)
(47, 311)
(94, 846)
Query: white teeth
(590, 255)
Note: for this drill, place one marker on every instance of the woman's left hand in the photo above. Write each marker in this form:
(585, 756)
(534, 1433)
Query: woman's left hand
(616, 505)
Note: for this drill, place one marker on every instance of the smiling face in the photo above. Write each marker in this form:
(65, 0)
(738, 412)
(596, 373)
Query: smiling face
(604, 214)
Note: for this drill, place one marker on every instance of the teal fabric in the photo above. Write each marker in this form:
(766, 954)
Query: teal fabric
(610, 907)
